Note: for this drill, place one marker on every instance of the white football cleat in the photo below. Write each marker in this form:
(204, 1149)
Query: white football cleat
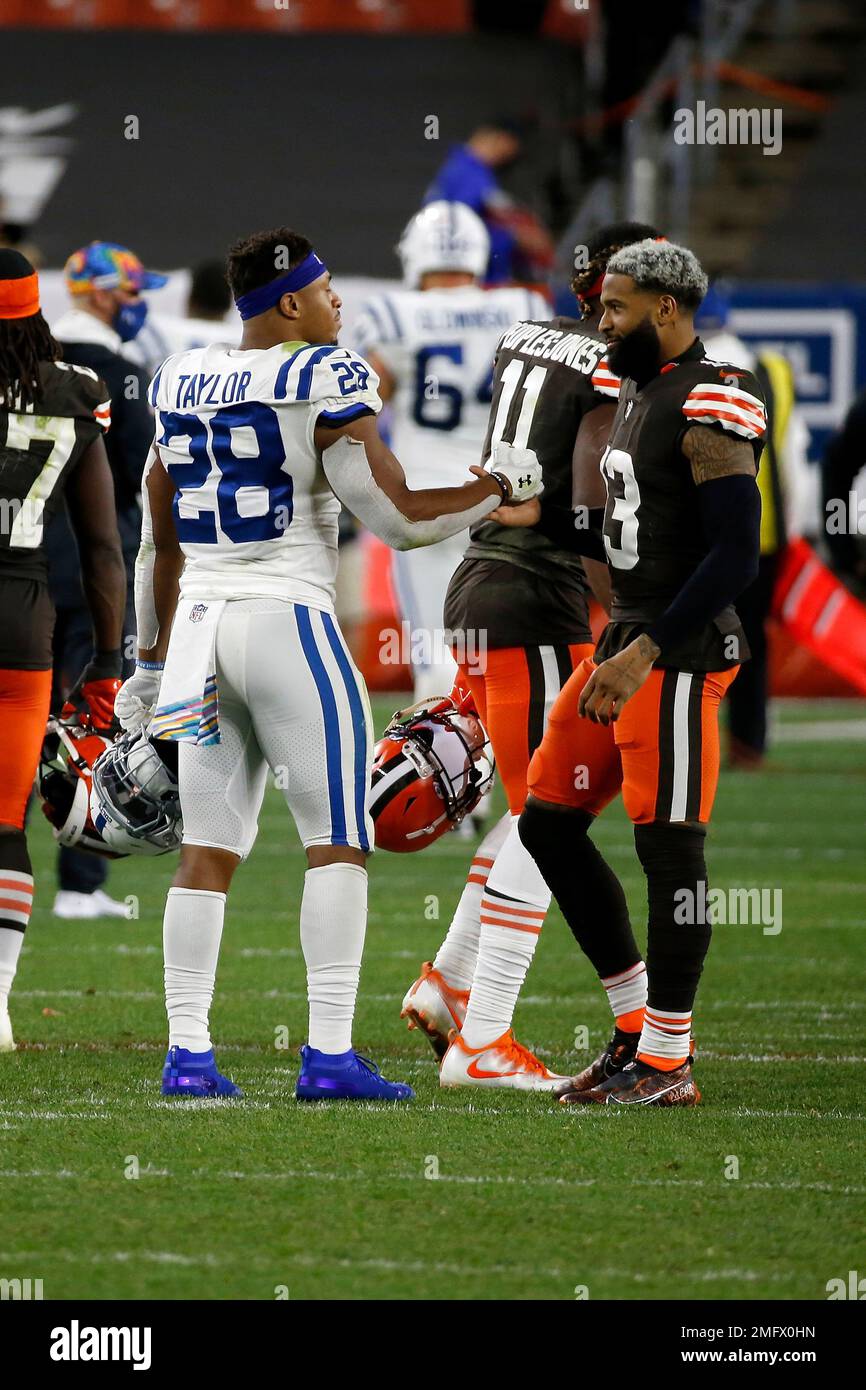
(7, 1042)
(79, 905)
(433, 1006)
(505, 1062)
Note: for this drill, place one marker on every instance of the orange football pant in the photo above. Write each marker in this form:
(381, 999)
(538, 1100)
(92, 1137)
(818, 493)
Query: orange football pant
(513, 695)
(24, 703)
(662, 752)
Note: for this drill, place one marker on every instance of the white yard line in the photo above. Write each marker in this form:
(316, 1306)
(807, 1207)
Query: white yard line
(716, 1186)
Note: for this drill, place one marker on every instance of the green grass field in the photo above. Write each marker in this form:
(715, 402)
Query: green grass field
(263, 1197)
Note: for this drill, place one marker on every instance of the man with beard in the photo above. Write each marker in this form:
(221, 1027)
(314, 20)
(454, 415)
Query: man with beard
(681, 532)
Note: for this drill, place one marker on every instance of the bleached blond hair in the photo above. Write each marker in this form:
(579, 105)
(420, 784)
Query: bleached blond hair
(664, 267)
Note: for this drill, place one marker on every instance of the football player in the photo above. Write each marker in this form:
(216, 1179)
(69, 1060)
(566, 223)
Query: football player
(255, 449)
(682, 534)
(432, 346)
(526, 589)
(52, 418)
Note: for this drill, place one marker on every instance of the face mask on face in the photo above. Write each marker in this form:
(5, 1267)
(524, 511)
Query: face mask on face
(637, 354)
(129, 319)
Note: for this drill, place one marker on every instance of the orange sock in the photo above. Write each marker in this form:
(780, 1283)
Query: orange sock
(630, 1022)
(660, 1063)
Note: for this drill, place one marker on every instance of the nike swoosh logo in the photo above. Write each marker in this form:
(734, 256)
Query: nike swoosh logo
(472, 1070)
(613, 1100)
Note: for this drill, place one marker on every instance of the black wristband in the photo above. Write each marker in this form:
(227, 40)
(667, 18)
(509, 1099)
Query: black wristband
(502, 483)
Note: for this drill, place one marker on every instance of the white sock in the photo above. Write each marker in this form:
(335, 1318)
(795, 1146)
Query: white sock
(458, 953)
(513, 909)
(191, 932)
(333, 927)
(626, 994)
(665, 1038)
(11, 942)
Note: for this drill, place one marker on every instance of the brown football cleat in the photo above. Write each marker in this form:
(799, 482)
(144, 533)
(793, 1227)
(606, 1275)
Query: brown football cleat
(639, 1084)
(621, 1050)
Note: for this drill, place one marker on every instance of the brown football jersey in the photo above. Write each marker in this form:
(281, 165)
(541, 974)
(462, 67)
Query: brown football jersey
(516, 583)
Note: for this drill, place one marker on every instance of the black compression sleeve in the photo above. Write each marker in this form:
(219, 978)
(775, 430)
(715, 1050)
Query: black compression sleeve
(559, 524)
(730, 511)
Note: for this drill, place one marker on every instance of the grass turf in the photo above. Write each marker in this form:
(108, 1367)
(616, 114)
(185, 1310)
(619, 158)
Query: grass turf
(263, 1197)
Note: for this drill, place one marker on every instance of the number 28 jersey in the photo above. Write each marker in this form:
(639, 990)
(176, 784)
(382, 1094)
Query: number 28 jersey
(652, 525)
(254, 513)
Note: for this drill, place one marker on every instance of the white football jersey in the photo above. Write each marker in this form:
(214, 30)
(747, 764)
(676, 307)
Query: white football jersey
(254, 512)
(439, 345)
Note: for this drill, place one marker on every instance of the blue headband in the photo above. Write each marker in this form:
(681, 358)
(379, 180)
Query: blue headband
(257, 301)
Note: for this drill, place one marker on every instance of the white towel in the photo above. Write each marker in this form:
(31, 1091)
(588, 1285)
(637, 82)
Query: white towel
(188, 708)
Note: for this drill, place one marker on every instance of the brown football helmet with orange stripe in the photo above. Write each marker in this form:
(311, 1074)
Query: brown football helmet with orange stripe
(431, 768)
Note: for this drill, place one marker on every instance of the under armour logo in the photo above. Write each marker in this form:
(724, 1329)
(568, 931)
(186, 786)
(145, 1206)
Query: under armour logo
(524, 482)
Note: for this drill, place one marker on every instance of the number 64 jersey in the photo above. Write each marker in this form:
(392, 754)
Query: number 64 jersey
(652, 525)
(254, 513)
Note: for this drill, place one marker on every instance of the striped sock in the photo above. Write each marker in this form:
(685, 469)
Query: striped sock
(665, 1040)
(626, 994)
(16, 904)
(513, 909)
(456, 957)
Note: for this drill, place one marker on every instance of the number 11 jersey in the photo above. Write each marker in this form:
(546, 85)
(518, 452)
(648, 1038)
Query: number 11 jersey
(254, 513)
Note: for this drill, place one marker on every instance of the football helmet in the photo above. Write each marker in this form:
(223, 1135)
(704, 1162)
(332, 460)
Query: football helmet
(431, 768)
(443, 236)
(134, 799)
(63, 782)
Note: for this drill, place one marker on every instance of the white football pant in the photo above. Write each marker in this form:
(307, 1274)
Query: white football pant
(290, 698)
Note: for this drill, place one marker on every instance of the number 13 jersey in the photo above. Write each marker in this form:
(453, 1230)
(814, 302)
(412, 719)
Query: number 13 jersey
(254, 513)
(652, 527)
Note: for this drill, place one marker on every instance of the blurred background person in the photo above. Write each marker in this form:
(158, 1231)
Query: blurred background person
(784, 457)
(206, 320)
(432, 345)
(521, 248)
(105, 282)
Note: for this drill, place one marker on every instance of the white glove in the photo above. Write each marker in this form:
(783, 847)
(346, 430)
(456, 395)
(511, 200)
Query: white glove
(520, 466)
(137, 697)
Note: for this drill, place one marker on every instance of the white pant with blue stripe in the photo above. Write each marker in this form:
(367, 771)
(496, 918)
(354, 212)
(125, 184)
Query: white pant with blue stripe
(290, 699)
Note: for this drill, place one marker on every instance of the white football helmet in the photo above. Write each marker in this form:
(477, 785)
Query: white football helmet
(443, 236)
(134, 801)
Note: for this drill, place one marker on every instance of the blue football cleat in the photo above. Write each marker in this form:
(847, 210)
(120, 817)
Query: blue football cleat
(195, 1074)
(345, 1076)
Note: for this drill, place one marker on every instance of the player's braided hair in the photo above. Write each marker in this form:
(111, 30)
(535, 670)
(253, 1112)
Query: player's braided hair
(24, 343)
(260, 258)
(600, 247)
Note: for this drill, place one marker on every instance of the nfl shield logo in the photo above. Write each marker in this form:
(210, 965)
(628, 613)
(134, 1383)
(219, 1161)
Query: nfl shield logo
(197, 612)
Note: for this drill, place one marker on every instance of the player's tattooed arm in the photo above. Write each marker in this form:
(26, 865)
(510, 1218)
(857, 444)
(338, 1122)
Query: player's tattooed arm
(614, 682)
(713, 454)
